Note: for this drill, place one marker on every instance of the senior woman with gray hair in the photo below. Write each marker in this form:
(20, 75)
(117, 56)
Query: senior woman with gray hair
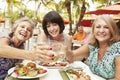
(12, 47)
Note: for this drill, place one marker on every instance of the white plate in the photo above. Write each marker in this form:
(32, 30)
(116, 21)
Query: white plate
(54, 65)
(27, 77)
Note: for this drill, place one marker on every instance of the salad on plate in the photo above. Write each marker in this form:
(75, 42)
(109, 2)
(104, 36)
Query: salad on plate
(28, 71)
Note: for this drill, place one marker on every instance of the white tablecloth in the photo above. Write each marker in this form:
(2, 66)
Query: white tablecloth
(53, 74)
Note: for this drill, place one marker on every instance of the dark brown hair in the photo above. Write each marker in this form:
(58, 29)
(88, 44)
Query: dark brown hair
(52, 17)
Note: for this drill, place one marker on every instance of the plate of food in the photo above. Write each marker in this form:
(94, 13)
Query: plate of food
(57, 64)
(75, 74)
(27, 71)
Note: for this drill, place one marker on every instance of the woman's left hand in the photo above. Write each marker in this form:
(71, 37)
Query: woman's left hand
(69, 55)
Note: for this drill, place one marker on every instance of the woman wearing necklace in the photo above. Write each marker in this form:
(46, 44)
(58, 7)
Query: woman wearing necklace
(11, 47)
(103, 51)
(53, 27)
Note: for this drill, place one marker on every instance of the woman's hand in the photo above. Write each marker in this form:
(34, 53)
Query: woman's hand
(41, 55)
(69, 55)
(41, 51)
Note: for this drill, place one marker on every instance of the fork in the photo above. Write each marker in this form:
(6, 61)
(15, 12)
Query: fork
(8, 75)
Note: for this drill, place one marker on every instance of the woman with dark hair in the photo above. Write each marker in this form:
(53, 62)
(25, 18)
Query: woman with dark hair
(53, 27)
(12, 47)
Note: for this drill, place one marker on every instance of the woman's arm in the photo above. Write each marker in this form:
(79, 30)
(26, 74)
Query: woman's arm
(77, 54)
(7, 51)
(69, 41)
(11, 52)
(81, 52)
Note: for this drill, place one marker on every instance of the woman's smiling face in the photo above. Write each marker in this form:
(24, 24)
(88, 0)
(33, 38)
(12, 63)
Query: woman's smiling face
(101, 31)
(53, 29)
(23, 31)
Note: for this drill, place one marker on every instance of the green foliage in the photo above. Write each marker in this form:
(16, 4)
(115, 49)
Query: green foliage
(29, 13)
(14, 16)
(50, 5)
(2, 15)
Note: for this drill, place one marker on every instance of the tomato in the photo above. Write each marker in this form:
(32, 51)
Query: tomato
(44, 71)
(40, 71)
(16, 72)
(45, 64)
(63, 64)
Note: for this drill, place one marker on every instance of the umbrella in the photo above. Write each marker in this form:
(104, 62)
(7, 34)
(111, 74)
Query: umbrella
(2, 20)
(66, 21)
(112, 9)
(87, 22)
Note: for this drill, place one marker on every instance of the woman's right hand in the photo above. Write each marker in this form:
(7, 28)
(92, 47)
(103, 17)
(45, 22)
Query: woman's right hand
(41, 51)
(41, 55)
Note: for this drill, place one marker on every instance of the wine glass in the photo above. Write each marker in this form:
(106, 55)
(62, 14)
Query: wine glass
(62, 53)
(59, 50)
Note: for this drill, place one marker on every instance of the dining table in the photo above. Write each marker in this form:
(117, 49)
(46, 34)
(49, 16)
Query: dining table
(54, 72)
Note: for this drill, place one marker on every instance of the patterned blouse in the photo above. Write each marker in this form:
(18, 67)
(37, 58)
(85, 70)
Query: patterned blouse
(106, 67)
(6, 63)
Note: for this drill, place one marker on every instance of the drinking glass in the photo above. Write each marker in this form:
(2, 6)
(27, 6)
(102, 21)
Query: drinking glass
(59, 50)
(62, 53)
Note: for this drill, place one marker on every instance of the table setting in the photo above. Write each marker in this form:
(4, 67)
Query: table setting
(57, 73)
(57, 69)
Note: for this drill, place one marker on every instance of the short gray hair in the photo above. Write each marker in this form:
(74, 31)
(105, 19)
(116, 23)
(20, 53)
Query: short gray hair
(22, 20)
(17, 22)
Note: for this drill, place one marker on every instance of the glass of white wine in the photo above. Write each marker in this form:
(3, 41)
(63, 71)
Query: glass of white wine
(62, 54)
(59, 51)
